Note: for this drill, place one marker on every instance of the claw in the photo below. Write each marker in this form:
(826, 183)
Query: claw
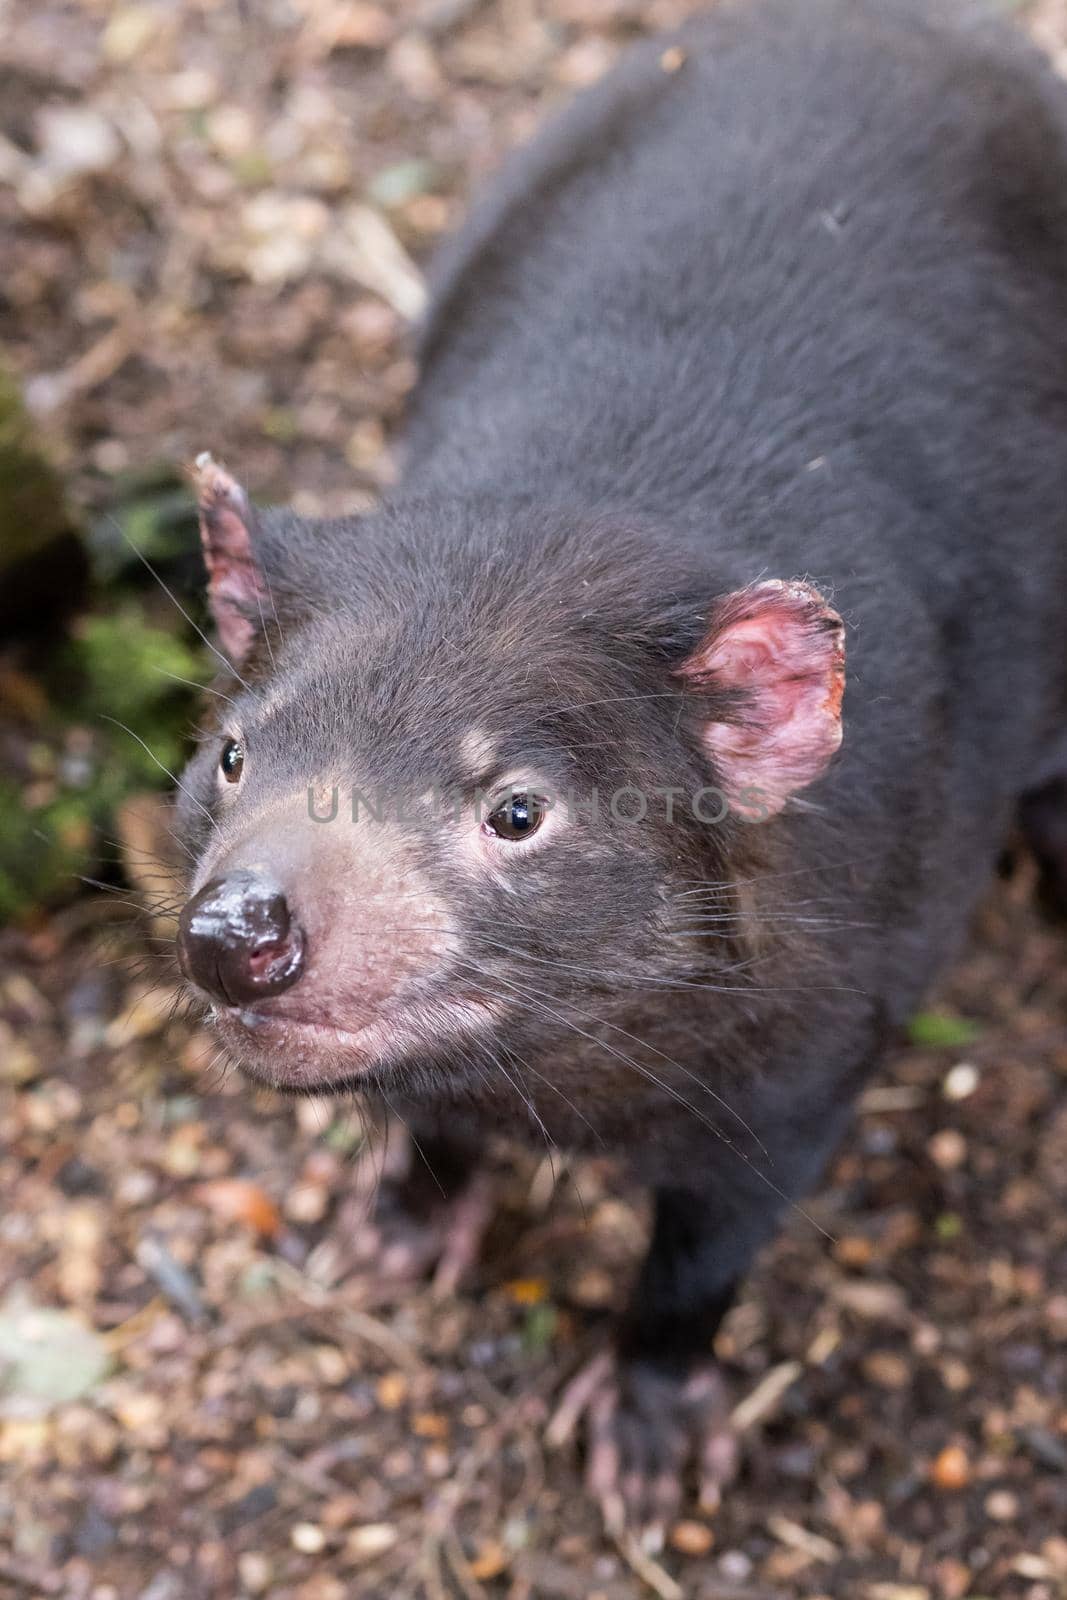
(416, 1231)
(470, 1214)
(644, 1430)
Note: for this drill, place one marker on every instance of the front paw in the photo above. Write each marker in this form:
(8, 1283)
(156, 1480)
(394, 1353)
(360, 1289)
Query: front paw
(411, 1236)
(647, 1430)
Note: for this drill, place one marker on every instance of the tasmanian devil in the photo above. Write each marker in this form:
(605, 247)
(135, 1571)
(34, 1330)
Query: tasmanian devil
(526, 810)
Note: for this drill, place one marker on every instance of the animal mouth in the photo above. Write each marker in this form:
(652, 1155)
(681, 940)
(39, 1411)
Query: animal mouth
(303, 1052)
(264, 1025)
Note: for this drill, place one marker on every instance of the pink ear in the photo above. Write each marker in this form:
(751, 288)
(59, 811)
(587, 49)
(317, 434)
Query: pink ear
(235, 583)
(783, 647)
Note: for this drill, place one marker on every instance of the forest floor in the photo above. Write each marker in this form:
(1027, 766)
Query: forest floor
(208, 214)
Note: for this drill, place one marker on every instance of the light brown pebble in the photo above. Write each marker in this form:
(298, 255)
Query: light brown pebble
(961, 1082)
(692, 1538)
(887, 1370)
(947, 1149)
(437, 1461)
(308, 1538)
(254, 1571)
(1002, 1505)
(430, 1425)
(953, 1579)
(308, 1202)
(490, 1561)
(952, 1468)
(372, 1539)
(392, 1391)
(332, 1364)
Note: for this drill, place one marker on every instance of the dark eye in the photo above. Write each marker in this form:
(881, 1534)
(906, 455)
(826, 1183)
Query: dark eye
(232, 760)
(519, 816)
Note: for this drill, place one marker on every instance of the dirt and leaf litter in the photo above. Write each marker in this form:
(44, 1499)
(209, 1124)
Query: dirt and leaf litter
(213, 220)
(203, 1391)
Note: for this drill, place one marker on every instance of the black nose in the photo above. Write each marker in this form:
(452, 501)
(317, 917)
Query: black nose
(237, 940)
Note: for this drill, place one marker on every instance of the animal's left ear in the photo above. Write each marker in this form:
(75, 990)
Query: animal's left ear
(237, 591)
(779, 649)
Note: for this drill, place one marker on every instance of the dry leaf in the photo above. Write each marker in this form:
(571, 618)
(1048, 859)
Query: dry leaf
(240, 1200)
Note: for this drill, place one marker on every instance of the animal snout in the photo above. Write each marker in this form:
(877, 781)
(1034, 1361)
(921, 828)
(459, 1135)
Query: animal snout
(238, 940)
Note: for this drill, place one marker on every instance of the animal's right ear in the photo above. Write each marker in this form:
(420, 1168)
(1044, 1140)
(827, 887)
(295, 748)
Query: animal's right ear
(780, 648)
(237, 592)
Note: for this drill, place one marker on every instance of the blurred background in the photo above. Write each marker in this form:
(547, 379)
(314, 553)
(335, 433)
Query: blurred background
(213, 220)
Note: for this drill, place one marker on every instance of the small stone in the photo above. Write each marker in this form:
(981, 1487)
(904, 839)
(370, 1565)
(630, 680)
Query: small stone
(872, 1298)
(591, 1288)
(322, 1587)
(1054, 1551)
(308, 1538)
(332, 1364)
(341, 1511)
(362, 26)
(307, 1202)
(392, 1391)
(1002, 1505)
(951, 1470)
(430, 1425)
(953, 1579)
(366, 445)
(947, 1149)
(372, 1539)
(735, 1566)
(437, 1461)
(282, 233)
(190, 90)
(18, 1064)
(428, 214)
(74, 141)
(314, 1115)
(490, 1561)
(1056, 1313)
(78, 1269)
(373, 327)
(398, 1464)
(692, 1538)
(255, 1571)
(181, 1153)
(141, 1415)
(413, 65)
(961, 1081)
(868, 1520)
(853, 1250)
(926, 1340)
(231, 130)
(585, 62)
(129, 30)
(135, 1187)
(112, 457)
(955, 1374)
(887, 1370)
(25, 1441)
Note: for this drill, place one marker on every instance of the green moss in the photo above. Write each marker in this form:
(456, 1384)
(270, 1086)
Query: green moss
(43, 847)
(101, 714)
(80, 765)
(127, 664)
